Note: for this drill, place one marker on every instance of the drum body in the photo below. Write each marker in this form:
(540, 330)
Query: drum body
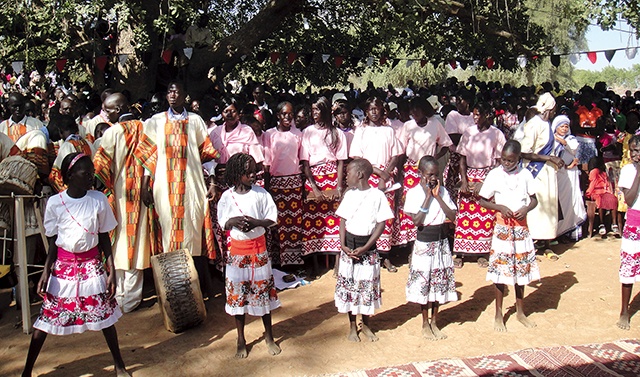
(178, 290)
(17, 176)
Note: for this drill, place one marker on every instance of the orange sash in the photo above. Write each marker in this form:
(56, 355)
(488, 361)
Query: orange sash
(248, 247)
(510, 222)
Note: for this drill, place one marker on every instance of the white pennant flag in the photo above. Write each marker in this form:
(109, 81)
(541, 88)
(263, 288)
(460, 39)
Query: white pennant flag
(188, 52)
(631, 52)
(122, 59)
(522, 61)
(325, 57)
(369, 61)
(243, 57)
(573, 58)
(409, 62)
(17, 66)
(475, 63)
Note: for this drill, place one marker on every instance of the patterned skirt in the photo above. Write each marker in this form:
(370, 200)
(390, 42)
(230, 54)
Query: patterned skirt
(358, 289)
(474, 223)
(320, 225)
(587, 149)
(630, 249)
(287, 194)
(513, 257)
(431, 275)
(249, 284)
(76, 299)
(407, 230)
(388, 237)
(451, 176)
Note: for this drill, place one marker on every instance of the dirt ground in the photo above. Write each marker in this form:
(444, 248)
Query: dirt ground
(577, 301)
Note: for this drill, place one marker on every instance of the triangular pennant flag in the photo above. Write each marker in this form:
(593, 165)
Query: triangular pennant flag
(261, 56)
(609, 54)
(490, 62)
(166, 56)
(60, 63)
(243, 57)
(307, 59)
(339, 60)
(476, 63)
(464, 64)
(291, 57)
(423, 62)
(122, 59)
(593, 57)
(409, 62)
(325, 57)
(17, 66)
(369, 61)
(383, 60)
(453, 64)
(101, 62)
(188, 52)
(522, 61)
(395, 63)
(555, 60)
(274, 56)
(353, 62)
(573, 58)
(41, 66)
(631, 52)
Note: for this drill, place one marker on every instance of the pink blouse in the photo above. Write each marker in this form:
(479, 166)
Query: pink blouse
(481, 148)
(241, 140)
(316, 146)
(281, 151)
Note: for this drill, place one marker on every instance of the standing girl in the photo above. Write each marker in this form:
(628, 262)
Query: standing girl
(431, 280)
(600, 191)
(510, 191)
(78, 294)
(247, 210)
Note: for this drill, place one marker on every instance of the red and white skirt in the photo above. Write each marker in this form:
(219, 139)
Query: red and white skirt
(287, 194)
(389, 237)
(407, 230)
(320, 225)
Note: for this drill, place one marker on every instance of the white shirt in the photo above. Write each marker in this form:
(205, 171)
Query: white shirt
(362, 210)
(436, 215)
(627, 175)
(510, 189)
(256, 203)
(78, 221)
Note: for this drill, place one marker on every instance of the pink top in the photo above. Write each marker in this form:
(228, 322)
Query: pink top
(423, 141)
(457, 123)
(376, 144)
(349, 135)
(281, 151)
(316, 146)
(240, 140)
(481, 148)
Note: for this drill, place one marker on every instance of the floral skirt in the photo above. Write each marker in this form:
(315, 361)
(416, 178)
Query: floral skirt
(630, 253)
(320, 225)
(474, 223)
(287, 194)
(389, 236)
(431, 273)
(76, 299)
(407, 230)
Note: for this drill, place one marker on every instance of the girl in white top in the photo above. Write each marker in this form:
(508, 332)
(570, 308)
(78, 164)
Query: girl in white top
(363, 212)
(78, 295)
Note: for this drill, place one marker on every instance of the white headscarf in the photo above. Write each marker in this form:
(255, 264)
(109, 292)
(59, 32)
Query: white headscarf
(546, 102)
(560, 120)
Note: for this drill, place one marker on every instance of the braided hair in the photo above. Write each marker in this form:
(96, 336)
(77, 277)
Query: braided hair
(237, 166)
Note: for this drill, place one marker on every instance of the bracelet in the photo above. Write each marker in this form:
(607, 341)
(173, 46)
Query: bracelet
(424, 210)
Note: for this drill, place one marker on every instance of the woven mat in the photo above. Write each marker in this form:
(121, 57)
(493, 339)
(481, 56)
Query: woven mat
(620, 358)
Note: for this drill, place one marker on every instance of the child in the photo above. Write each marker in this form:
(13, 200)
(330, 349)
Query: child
(363, 212)
(629, 251)
(78, 295)
(512, 258)
(246, 211)
(601, 191)
(431, 281)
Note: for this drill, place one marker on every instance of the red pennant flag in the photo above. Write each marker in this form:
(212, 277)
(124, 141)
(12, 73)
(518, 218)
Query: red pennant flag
(291, 57)
(423, 63)
(101, 62)
(339, 60)
(490, 62)
(166, 56)
(383, 60)
(592, 56)
(274, 57)
(453, 64)
(60, 63)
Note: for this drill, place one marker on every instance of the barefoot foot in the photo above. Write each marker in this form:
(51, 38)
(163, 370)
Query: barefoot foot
(498, 324)
(525, 321)
(427, 333)
(353, 335)
(274, 349)
(369, 334)
(241, 351)
(623, 322)
(437, 333)
(122, 372)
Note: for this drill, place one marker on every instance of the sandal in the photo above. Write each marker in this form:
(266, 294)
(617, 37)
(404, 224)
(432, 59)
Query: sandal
(458, 263)
(616, 231)
(549, 254)
(389, 266)
(602, 231)
(483, 262)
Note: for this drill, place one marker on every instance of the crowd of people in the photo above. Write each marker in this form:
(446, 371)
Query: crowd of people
(262, 175)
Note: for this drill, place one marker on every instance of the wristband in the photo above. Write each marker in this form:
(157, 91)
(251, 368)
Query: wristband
(424, 210)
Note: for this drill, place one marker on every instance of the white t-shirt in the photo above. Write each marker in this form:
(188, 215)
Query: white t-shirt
(362, 210)
(627, 175)
(256, 203)
(509, 189)
(77, 222)
(436, 215)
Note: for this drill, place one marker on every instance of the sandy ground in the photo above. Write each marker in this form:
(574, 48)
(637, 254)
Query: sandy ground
(577, 301)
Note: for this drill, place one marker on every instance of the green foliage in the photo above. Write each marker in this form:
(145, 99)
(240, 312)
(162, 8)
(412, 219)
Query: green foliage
(618, 78)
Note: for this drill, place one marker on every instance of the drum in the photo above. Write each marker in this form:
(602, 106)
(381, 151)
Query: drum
(178, 290)
(17, 176)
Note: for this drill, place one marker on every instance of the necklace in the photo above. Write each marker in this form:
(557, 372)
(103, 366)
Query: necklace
(73, 218)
